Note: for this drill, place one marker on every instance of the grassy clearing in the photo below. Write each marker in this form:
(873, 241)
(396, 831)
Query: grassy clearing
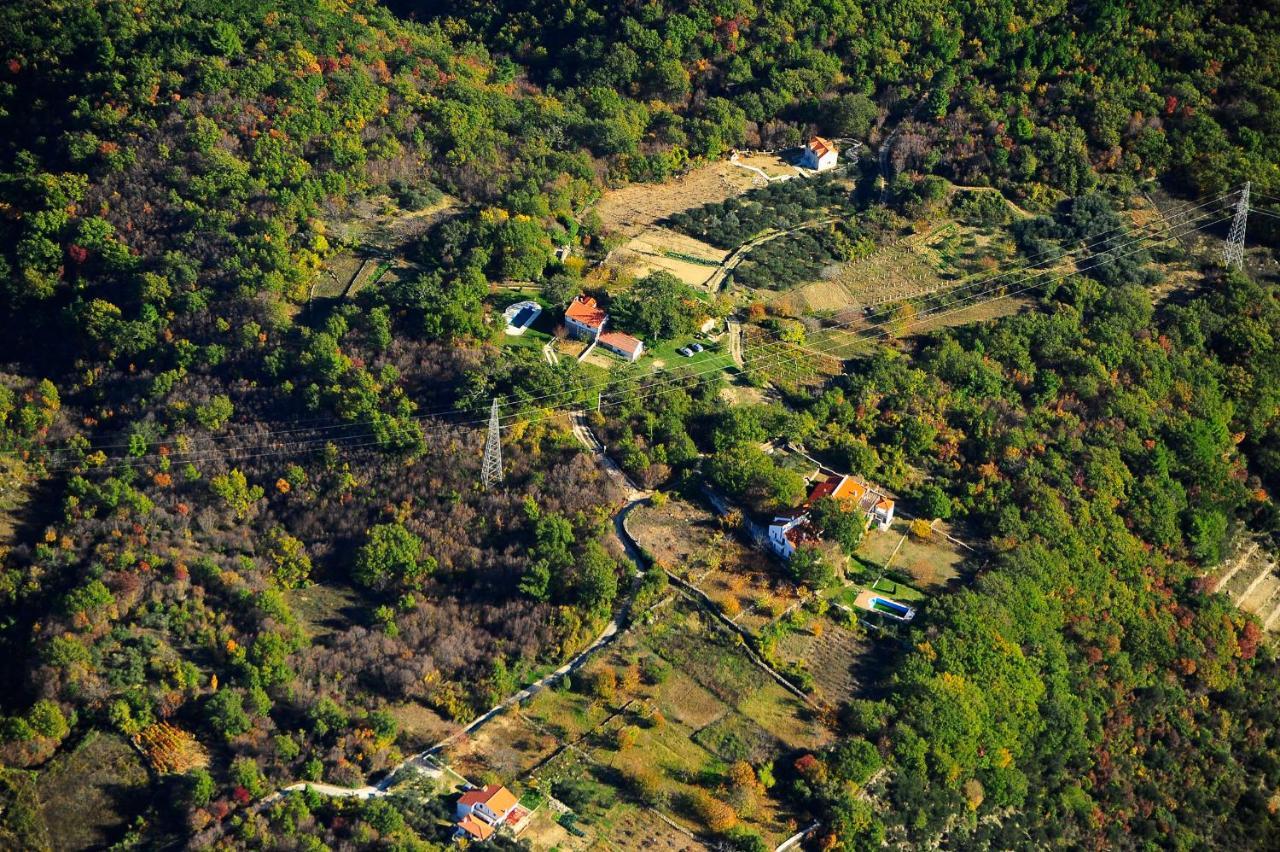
(663, 355)
(930, 564)
(419, 726)
(897, 591)
(877, 547)
(89, 795)
(567, 714)
(323, 608)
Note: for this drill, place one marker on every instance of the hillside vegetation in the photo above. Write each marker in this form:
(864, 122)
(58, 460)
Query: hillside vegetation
(229, 506)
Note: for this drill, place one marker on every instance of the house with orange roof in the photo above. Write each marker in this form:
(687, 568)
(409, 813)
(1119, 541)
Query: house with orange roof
(483, 811)
(792, 529)
(584, 318)
(819, 154)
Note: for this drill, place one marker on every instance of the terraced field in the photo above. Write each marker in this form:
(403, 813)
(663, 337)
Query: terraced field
(1251, 578)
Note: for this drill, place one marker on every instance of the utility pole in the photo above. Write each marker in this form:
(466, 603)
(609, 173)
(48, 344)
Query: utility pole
(1233, 251)
(491, 470)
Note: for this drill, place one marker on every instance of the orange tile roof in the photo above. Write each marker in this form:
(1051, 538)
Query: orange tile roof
(820, 146)
(849, 489)
(584, 309)
(839, 487)
(476, 828)
(495, 797)
(885, 503)
(618, 340)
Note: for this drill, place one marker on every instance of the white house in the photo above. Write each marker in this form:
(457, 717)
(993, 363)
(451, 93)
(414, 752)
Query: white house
(819, 154)
(785, 532)
(882, 513)
(584, 318)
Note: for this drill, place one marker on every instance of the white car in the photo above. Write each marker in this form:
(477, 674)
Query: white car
(685, 351)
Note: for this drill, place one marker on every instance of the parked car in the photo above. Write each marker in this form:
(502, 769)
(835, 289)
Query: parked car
(696, 347)
(685, 351)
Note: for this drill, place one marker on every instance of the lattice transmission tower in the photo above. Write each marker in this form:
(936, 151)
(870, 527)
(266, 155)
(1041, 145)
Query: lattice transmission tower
(1233, 251)
(491, 470)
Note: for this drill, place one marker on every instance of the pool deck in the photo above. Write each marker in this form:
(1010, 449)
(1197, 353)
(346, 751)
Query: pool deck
(866, 598)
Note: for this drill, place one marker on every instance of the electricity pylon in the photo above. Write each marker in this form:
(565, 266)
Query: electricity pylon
(1233, 251)
(491, 470)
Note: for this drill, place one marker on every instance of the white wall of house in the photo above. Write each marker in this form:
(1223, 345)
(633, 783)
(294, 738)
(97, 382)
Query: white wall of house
(812, 161)
(778, 535)
(582, 330)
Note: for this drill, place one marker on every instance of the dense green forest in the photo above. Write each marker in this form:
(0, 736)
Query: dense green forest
(188, 439)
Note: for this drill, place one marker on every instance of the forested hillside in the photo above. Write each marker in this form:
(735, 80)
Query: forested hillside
(226, 507)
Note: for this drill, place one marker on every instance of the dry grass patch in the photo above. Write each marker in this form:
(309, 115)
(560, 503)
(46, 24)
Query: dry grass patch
(419, 725)
(633, 208)
(506, 747)
(89, 795)
(932, 564)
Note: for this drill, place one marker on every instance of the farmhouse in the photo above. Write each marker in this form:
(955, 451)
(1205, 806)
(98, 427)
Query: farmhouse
(584, 318)
(484, 811)
(621, 344)
(789, 530)
(819, 154)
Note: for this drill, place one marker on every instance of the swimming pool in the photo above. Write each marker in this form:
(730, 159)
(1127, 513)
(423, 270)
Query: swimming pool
(902, 612)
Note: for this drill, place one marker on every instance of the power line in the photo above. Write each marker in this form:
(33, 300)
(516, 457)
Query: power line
(676, 377)
(613, 383)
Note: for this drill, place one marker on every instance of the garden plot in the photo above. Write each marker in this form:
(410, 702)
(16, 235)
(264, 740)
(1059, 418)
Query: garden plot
(1251, 578)
(656, 248)
(658, 719)
(830, 652)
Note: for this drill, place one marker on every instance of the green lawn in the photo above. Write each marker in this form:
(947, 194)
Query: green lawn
(897, 591)
(665, 352)
(846, 595)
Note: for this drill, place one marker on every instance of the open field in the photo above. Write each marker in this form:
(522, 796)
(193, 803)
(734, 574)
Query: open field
(88, 794)
(635, 207)
(931, 565)
(419, 725)
(323, 608)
